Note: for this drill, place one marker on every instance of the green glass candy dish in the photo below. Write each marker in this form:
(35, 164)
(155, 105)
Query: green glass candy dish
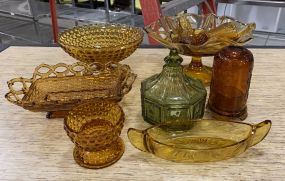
(172, 96)
(199, 36)
(199, 140)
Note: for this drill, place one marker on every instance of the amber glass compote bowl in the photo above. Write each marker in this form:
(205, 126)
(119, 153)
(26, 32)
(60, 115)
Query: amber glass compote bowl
(101, 43)
(198, 36)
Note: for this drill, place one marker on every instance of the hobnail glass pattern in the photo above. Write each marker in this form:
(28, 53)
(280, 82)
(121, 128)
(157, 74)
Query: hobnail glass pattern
(95, 127)
(101, 110)
(102, 43)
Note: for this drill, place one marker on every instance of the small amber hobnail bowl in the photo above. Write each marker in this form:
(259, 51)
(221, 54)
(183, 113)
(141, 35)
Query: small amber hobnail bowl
(95, 128)
(103, 43)
(96, 135)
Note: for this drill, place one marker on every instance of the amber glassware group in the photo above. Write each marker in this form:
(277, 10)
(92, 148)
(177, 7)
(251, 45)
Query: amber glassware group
(178, 135)
(87, 93)
(58, 88)
(172, 102)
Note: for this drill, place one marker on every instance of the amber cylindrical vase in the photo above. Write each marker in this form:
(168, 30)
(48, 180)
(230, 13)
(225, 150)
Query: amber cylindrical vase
(231, 75)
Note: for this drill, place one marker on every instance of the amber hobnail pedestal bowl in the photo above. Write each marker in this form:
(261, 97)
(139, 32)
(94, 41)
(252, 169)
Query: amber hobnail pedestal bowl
(102, 43)
(95, 128)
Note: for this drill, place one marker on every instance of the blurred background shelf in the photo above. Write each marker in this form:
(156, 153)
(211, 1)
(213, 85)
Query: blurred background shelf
(93, 15)
(268, 3)
(28, 22)
(33, 9)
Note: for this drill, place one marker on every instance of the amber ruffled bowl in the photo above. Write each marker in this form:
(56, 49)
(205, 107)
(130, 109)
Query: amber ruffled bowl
(102, 43)
(198, 36)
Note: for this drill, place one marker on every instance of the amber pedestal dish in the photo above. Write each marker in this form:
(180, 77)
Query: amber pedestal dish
(199, 36)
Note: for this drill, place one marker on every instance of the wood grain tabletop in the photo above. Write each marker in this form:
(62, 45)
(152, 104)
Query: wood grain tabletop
(35, 148)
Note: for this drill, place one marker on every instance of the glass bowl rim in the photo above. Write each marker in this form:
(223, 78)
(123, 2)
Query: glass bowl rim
(120, 120)
(222, 147)
(101, 25)
(200, 16)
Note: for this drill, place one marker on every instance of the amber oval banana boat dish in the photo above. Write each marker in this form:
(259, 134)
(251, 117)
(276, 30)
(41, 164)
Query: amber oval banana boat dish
(199, 140)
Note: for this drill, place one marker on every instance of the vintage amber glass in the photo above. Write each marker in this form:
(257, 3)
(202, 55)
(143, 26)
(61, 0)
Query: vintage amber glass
(199, 140)
(95, 128)
(198, 36)
(170, 95)
(103, 43)
(232, 69)
(58, 88)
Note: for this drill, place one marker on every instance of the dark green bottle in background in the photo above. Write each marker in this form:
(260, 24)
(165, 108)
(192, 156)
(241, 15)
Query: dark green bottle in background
(172, 96)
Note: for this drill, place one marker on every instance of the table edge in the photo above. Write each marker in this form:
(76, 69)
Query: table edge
(4, 47)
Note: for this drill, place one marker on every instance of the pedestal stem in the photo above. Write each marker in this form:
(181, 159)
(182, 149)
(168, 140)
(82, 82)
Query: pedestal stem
(196, 62)
(197, 70)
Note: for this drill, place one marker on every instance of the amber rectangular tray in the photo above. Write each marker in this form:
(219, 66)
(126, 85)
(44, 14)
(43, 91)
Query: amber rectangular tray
(62, 86)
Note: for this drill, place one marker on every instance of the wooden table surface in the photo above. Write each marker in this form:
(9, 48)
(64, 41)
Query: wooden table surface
(35, 148)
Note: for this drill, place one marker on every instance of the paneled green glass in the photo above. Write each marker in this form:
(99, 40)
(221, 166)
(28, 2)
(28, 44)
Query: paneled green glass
(171, 95)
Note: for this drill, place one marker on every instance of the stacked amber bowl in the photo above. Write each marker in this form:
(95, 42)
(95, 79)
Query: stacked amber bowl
(95, 129)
